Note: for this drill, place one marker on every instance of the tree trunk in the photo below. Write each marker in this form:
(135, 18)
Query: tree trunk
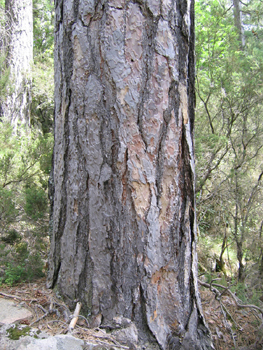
(19, 18)
(241, 266)
(124, 233)
(238, 22)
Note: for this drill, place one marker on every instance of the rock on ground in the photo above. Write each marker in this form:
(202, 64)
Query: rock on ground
(11, 312)
(43, 341)
(58, 342)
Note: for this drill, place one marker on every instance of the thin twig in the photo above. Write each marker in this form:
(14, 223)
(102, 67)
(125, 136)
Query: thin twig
(230, 316)
(42, 308)
(227, 325)
(84, 318)
(39, 319)
(59, 321)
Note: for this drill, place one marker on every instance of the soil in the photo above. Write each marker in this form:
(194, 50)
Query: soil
(231, 327)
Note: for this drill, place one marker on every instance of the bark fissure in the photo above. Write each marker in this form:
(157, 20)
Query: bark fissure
(55, 275)
(150, 30)
(63, 203)
(167, 115)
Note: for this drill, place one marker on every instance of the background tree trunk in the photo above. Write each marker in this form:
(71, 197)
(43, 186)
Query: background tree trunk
(19, 21)
(238, 22)
(124, 235)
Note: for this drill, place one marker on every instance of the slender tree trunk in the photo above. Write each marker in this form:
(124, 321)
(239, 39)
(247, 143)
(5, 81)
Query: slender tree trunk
(240, 261)
(221, 261)
(261, 251)
(238, 21)
(237, 236)
(19, 16)
(124, 232)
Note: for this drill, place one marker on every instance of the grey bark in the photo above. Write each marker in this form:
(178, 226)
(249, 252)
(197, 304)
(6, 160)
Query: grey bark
(19, 21)
(124, 233)
(238, 21)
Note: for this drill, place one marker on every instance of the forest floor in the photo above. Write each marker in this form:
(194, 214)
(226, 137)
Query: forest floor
(231, 327)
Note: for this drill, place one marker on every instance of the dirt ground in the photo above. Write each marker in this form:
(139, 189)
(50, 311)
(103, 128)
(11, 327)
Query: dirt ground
(231, 327)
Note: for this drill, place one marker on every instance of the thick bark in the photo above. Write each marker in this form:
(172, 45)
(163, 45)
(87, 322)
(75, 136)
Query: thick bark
(19, 14)
(124, 235)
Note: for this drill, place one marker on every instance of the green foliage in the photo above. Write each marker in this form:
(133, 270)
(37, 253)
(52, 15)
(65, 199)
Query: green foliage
(42, 105)
(4, 70)
(17, 331)
(8, 209)
(14, 274)
(35, 202)
(12, 237)
(229, 128)
(24, 170)
(22, 265)
(240, 289)
(43, 24)
(4, 75)
(25, 159)
(25, 163)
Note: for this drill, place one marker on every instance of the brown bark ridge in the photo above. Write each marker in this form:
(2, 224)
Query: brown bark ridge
(19, 23)
(124, 235)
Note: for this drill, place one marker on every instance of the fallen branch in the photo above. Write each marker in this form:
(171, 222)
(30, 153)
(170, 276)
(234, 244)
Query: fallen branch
(10, 296)
(16, 297)
(57, 321)
(84, 318)
(223, 310)
(75, 318)
(230, 316)
(212, 286)
(42, 308)
(46, 313)
(39, 319)
(22, 292)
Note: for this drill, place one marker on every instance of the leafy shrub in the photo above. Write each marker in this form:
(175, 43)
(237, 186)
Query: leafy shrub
(11, 237)
(25, 162)
(25, 158)
(22, 252)
(8, 209)
(240, 290)
(14, 274)
(36, 203)
(23, 267)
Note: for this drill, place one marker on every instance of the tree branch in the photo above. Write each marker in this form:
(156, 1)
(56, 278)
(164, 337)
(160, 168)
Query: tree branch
(212, 286)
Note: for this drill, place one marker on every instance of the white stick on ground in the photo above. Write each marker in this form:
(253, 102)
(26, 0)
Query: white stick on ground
(75, 318)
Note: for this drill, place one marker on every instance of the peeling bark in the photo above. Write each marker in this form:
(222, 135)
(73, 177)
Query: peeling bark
(124, 233)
